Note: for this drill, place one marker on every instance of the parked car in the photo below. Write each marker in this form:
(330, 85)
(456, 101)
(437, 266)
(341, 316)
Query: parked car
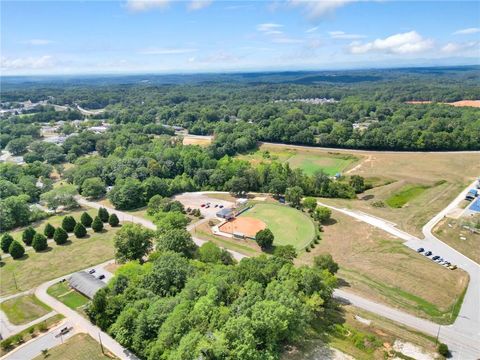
(419, 250)
(221, 206)
(436, 257)
(91, 271)
(64, 331)
(101, 277)
(203, 205)
(428, 253)
(452, 267)
(216, 205)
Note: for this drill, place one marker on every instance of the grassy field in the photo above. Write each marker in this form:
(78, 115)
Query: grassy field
(406, 194)
(35, 268)
(459, 238)
(378, 266)
(190, 140)
(24, 309)
(78, 347)
(288, 225)
(378, 333)
(310, 161)
(55, 220)
(63, 293)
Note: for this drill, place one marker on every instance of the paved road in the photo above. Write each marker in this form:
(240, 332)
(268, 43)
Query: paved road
(48, 340)
(464, 335)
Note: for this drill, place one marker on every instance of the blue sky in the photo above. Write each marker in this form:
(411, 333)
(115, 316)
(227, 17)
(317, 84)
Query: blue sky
(137, 36)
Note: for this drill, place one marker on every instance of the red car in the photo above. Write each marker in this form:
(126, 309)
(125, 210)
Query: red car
(203, 205)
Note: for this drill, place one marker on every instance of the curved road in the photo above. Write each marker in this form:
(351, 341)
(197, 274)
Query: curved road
(463, 336)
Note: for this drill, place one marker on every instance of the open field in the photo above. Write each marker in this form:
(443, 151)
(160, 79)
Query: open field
(444, 174)
(196, 140)
(78, 347)
(35, 268)
(24, 309)
(357, 324)
(378, 266)
(63, 293)
(407, 193)
(460, 103)
(310, 161)
(288, 225)
(55, 220)
(470, 245)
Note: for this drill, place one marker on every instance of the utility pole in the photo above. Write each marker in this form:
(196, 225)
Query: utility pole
(15, 280)
(101, 345)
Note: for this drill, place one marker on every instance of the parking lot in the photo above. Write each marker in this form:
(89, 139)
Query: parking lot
(99, 271)
(196, 200)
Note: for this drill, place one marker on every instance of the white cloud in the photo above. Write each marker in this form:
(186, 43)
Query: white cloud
(319, 8)
(467, 31)
(26, 63)
(313, 29)
(38, 42)
(167, 51)
(452, 47)
(403, 43)
(344, 36)
(145, 5)
(267, 27)
(273, 32)
(199, 4)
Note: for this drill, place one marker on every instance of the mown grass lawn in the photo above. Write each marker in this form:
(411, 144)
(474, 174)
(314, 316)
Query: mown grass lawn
(311, 163)
(63, 293)
(405, 194)
(289, 226)
(24, 309)
(37, 267)
(78, 347)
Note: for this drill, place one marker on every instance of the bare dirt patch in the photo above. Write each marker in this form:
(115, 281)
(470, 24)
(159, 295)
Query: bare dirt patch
(246, 225)
(197, 140)
(471, 103)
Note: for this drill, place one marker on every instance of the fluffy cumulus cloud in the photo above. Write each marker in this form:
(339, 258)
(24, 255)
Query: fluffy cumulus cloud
(319, 8)
(403, 43)
(344, 36)
(468, 31)
(145, 5)
(27, 63)
(198, 4)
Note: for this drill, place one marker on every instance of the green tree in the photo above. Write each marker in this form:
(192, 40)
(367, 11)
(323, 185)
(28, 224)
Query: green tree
(322, 214)
(325, 262)
(93, 188)
(68, 223)
(16, 250)
(294, 196)
(264, 239)
(39, 242)
(310, 203)
(14, 212)
(113, 220)
(61, 196)
(60, 236)
(86, 219)
(443, 350)
(80, 230)
(27, 235)
(177, 240)
(97, 224)
(49, 231)
(127, 194)
(357, 183)
(103, 214)
(132, 242)
(7, 239)
(286, 252)
(211, 253)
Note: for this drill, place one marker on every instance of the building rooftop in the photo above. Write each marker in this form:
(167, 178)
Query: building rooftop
(85, 283)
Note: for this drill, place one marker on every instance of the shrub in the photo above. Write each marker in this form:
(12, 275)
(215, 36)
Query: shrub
(97, 224)
(6, 344)
(325, 262)
(86, 219)
(7, 239)
(103, 214)
(264, 238)
(68, 223)
(378, 204)
(113, 220)
(42, 327)
(16, 250)
(60, 236)
(28, 235)
(79, 230)
(39, 242)
(322, 214)
(49, 231)
(443, 350)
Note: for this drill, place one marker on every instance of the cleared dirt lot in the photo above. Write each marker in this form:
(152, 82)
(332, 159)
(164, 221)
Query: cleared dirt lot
(246, 225)
(378, 266)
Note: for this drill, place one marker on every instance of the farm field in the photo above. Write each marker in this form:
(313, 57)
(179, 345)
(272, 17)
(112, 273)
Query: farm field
(78, 347)
(310, 161)
(35, 268)
(378, 266)
(469, 246)
(196, 140)
(24, 309)
(288, 225)
(62, 292)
